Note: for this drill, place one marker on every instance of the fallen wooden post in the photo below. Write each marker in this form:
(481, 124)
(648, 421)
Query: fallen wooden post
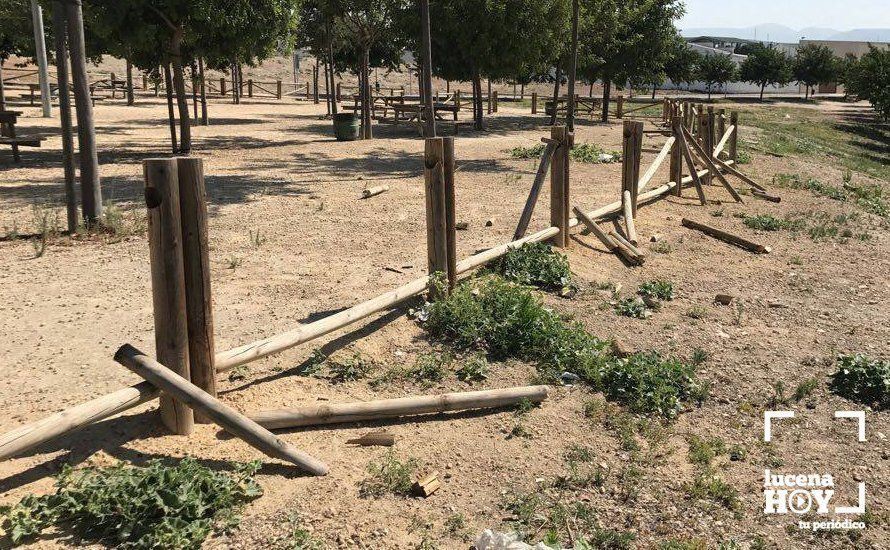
(712, 167)
(609, 243)
(629, 217)
(735, 172)
(535, 191)
(374, 439)
(316, 415)
(765, 196)
(726, 237)
(226, 417)
(622, 242)
(374, 191)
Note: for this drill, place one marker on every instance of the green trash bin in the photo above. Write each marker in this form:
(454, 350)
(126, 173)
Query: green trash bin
(346, 126)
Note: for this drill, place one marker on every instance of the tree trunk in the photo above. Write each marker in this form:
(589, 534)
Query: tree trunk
(2, 89)
(61, 37)
(90, 186)
(429, 122)
(315, 83)
(653, 90)
(556, 84)
(607, 92)
(333, 83)
(194, 73)
(573, 70)
(590, 90)
(762, 86)
(204, 120)
(235, 87)
(171, 117)
(185, 126)
(477, 101)
(327, 87)
(130, 98)
(522, 91)
(367, 133)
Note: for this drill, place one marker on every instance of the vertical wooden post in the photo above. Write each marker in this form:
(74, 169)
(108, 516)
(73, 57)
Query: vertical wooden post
(450, 215)
(619, 113)
(338, 92)
(676, 166)
(436, 225)
(632, 145)
(489, 96)
(249, 87)
(534, 103)
(494, 98)
(705, 121)
(222, 86)
(456, 103)
(196, 262)
(559, 214)
(721, 126)
(68, 161)
(733, 145)
(168, 282)
(278, 89)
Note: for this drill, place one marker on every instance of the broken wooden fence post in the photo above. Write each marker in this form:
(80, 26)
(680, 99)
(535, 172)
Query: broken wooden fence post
(537, 184)
(338, 413)
(450, 214)
(534, 103)
(559, 188)
(690, 163)
(676, 166)
(456, 105)
(249, 87)
(196, 261)
(436, 225)
(168, 282)
(494, 98)
(631, 151)
(726, 237)
(619, 107)
(720, 125)
(705, 130)
(732, 147)
(226, 417)
(222, 86)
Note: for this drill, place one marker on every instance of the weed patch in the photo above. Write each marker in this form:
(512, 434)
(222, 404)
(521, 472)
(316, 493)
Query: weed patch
(535, 264)
(156, 506)
(475, 369)
(708, 486)
(389, 476)
(348, 369)
(862, 380)
(632, 307)
(582, 152)
(659, 290)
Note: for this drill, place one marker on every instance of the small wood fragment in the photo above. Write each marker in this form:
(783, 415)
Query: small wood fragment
(619, 349)
(380, 439)
(462, 226)
(373, 191)
(765, 196)
(426, 486)
(726, 237)
(723, 299)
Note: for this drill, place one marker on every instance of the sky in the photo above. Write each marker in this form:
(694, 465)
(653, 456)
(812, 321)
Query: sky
(841, 15)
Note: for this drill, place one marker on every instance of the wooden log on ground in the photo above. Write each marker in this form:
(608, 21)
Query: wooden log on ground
(726, 237)
(380, 438)
(628, 245)
(226, 417)
(765, 196)
(196, 256)
(629, 218)
(70, 420)
(317, 415)
(168, 282)
(374, 191)
(535, 191)
(735, 172)
(607, 241)
(712, 167)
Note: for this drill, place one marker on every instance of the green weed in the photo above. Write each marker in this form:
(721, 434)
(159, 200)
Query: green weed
(430, 368)
(535, 264)
(660, 290)
(702, 451)
(805, 388)
(389, 476)
(475, 369)
(708, 486)
(632, 307)
(348, 369)
(862, 380)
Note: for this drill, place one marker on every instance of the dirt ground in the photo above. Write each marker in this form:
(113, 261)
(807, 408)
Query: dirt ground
(273, 169)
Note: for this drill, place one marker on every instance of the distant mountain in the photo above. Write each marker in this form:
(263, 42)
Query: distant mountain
(779, 33)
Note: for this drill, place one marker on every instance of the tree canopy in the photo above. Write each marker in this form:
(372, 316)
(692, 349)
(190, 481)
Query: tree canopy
(869, 78)
(716, 69)
(765, 66)
(16, 32)
(814, 64)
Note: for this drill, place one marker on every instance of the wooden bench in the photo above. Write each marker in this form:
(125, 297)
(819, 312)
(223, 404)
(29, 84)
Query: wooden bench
(8, 137)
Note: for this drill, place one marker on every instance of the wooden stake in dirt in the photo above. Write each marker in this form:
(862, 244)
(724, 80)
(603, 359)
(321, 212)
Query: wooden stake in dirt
(705, 121)
(733, 148)
(374, 191)
(629, 224)
(631, 151)
(436, 226)
(318, 415)
(607, 241)
(726, 237)
(703, 154)
(196, 256)
(226, 417)
(559, 189)
(676, 167)
(534, 103)
(765, 196)
(693, 171)
(450, 214)
(68, 163)
(168, 282)
(535, 191)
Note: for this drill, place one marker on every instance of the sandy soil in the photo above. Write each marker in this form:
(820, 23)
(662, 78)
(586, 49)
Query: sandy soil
(274, 168)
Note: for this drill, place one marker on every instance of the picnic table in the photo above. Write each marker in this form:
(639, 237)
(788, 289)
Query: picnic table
(9, 137)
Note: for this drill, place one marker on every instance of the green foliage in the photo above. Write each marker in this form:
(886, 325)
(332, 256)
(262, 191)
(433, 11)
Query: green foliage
(805, 388)
(348, 369)
(716, 69)
(632, 307)
(692, 544)
(814, 64)
(703, 450)
(659, 290)
(649, 384)
(766, 222)
(475, 369)
(532, 152)
(869, 78)
(456, 525)
(862, 380)
(389, 475)
(535, 264)
(298, 537)
(582, 152)
(765, 66)
(156, 506)
(16, 32)
(708, 486)
(430, 368)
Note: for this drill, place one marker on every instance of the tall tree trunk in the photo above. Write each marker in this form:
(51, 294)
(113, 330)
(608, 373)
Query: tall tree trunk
(607, 93)
(327, 87)
(333, 83)
(556, 84)
(204, 119)
(185, 126)
(573, 66)
(522, 91)
(762, 86)
(653, 90)
(130, 98)
(90, 186)
(366, 102)
(315, 83)
(2, 88)
(590, 90)
(429, 126)
(477, 101)
(234, 83)
(171, 116)
(61, 37)
(194, 73)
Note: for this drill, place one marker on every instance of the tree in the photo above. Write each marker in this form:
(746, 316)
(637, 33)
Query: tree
(716, 69)
(16, 35)
(814, 64)
(681, 63)
(870, 79)
(316, 34)
(765, 66)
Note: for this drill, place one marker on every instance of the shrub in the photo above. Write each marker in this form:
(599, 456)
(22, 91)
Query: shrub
(647, 383)
(348, 369)
(660, 290)
(390, 475)
(535, 264)
(532, 152)
(473, 370)
(632, 307)
(765, 222)
(430, 368)
(156, 506)
(863, 380)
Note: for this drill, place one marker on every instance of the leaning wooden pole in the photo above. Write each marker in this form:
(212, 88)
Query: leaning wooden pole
(168, 282)
(535, 191)
(317, 415)
(226, 417)
(196, 264)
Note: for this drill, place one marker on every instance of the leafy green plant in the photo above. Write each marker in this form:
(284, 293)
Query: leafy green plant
(703, 450)
(697, 312)
(155, 506)
(430, 368)
(456, 525)
(647, 383)
(298, 537)
(535, 264)
(766, 222)
(532, 152)
(475, 369)
(389, 475)
(660, 290)
(862, 380)
(662, 247)
(708, 486)
(593, 154)
(805, 388)
(632, 307)
(699, 356)
(348, 369)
